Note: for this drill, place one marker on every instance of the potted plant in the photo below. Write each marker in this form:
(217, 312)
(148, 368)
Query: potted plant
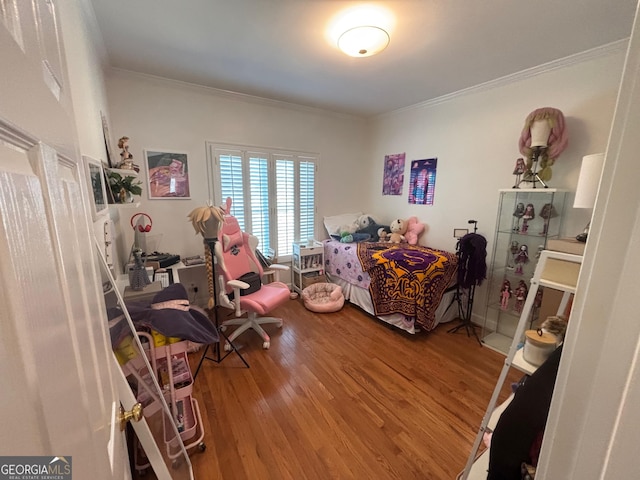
(124, 187)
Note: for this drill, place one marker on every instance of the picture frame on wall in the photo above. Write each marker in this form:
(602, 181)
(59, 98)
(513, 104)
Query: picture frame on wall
(97, 187)
(111, 163)
(167, 174)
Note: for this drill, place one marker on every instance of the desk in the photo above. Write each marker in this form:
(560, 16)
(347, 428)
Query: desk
(144, 295)
(195, 280)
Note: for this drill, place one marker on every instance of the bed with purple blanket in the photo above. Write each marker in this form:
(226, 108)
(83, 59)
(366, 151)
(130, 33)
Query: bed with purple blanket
(404, 285)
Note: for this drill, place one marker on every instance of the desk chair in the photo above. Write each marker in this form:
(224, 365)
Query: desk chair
(235, 255)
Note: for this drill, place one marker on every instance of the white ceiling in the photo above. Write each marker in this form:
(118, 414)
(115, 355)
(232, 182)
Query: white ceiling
(278, 49)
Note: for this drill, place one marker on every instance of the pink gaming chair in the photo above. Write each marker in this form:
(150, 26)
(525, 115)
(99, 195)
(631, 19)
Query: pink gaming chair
(235, 256)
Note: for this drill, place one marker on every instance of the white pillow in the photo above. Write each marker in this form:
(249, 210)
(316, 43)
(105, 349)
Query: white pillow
(333, 223)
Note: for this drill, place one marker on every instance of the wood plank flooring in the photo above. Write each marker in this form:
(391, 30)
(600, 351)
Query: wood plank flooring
(343, 396)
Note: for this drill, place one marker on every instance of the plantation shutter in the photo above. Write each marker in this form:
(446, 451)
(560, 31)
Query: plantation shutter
(307, 198)
(285, 204)
(231, 183)
(272, 193)
(258, 200)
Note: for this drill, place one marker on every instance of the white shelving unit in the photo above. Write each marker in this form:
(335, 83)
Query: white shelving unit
(308, 264)
(555, 270)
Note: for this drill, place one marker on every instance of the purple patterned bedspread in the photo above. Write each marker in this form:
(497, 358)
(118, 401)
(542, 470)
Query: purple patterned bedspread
(341, 260)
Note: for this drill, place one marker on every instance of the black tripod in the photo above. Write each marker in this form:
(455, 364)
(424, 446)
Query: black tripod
(464, 311)
(219, 357)
(532, 176)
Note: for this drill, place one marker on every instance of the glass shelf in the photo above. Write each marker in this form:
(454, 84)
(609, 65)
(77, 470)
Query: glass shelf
(518, 241)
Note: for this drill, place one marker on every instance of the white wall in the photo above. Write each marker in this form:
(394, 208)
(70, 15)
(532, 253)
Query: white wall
(86, 80)
(475, 136)
(160, 114)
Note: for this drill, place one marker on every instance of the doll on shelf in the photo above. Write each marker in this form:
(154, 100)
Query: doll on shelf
(521, 258)
(505, 294)
(514, 249)
(521, 295)
(518, 213)
(518, 170)
(547, 213)
(529, 214)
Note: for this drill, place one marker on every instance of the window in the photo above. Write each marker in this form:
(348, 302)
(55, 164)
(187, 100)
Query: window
(272, 193)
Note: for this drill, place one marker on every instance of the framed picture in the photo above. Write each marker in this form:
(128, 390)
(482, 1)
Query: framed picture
(460, 232)
(111, 162)
(393, 174)
(422, 181)
(97, 187)
(167, 174)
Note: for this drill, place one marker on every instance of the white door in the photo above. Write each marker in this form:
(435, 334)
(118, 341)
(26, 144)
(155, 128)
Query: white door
(60, 379)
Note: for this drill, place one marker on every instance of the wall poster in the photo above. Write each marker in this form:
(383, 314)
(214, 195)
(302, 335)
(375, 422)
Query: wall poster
(422, 181)
(167, 174)
(393, 177)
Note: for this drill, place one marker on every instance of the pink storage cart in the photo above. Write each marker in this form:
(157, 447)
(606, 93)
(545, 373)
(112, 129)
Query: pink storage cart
(177, 387)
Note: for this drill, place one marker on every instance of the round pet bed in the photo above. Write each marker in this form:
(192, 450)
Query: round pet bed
(323, 297)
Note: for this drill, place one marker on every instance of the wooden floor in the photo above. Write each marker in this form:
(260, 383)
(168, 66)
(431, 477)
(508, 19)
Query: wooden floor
(343, 396)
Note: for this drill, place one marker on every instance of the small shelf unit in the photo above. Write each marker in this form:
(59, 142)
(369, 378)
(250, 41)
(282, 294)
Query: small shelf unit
(308, 264)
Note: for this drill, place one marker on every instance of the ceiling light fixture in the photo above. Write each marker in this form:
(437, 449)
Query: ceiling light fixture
(363, 41)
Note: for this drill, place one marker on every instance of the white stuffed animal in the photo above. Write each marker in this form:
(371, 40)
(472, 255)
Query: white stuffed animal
(398, 229)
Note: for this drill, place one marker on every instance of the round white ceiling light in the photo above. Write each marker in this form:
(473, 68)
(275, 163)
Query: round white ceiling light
(363, 41)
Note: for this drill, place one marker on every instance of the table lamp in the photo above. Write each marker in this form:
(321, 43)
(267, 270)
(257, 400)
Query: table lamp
(587, 189)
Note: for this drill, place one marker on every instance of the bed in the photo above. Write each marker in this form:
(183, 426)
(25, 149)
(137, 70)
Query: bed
(407, 286)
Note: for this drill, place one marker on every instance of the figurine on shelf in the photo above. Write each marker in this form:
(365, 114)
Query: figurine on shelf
(519, 169)
(521, 258)
(539, 251)
(514, 249)
(521, 295)
(138, 277)
(518, 213)
(505, 294)
(529, 214)
(126, 162)
(547, 213)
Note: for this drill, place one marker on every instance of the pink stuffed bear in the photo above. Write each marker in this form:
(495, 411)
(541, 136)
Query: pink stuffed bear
(414, 229)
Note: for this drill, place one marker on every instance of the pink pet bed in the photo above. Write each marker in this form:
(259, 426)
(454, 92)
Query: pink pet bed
(323, 297)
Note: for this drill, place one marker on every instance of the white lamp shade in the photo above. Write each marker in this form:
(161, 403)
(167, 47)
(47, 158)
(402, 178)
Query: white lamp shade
(363, 41)
(589, 180)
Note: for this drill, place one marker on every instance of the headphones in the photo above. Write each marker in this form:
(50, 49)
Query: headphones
(141, 228)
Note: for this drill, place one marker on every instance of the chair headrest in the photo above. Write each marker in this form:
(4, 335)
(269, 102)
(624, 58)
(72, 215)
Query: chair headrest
(230, 233)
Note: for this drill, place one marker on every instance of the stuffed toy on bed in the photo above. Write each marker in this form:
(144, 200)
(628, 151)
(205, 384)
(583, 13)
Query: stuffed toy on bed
(398, 229)
(414, 229)
(403, 231)
(368, 225)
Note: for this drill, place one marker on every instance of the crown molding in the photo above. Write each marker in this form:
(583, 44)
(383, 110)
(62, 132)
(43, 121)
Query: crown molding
(598, 52)
(231, 95)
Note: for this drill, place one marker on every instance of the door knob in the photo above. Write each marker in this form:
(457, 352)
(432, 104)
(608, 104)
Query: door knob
(134, 414)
